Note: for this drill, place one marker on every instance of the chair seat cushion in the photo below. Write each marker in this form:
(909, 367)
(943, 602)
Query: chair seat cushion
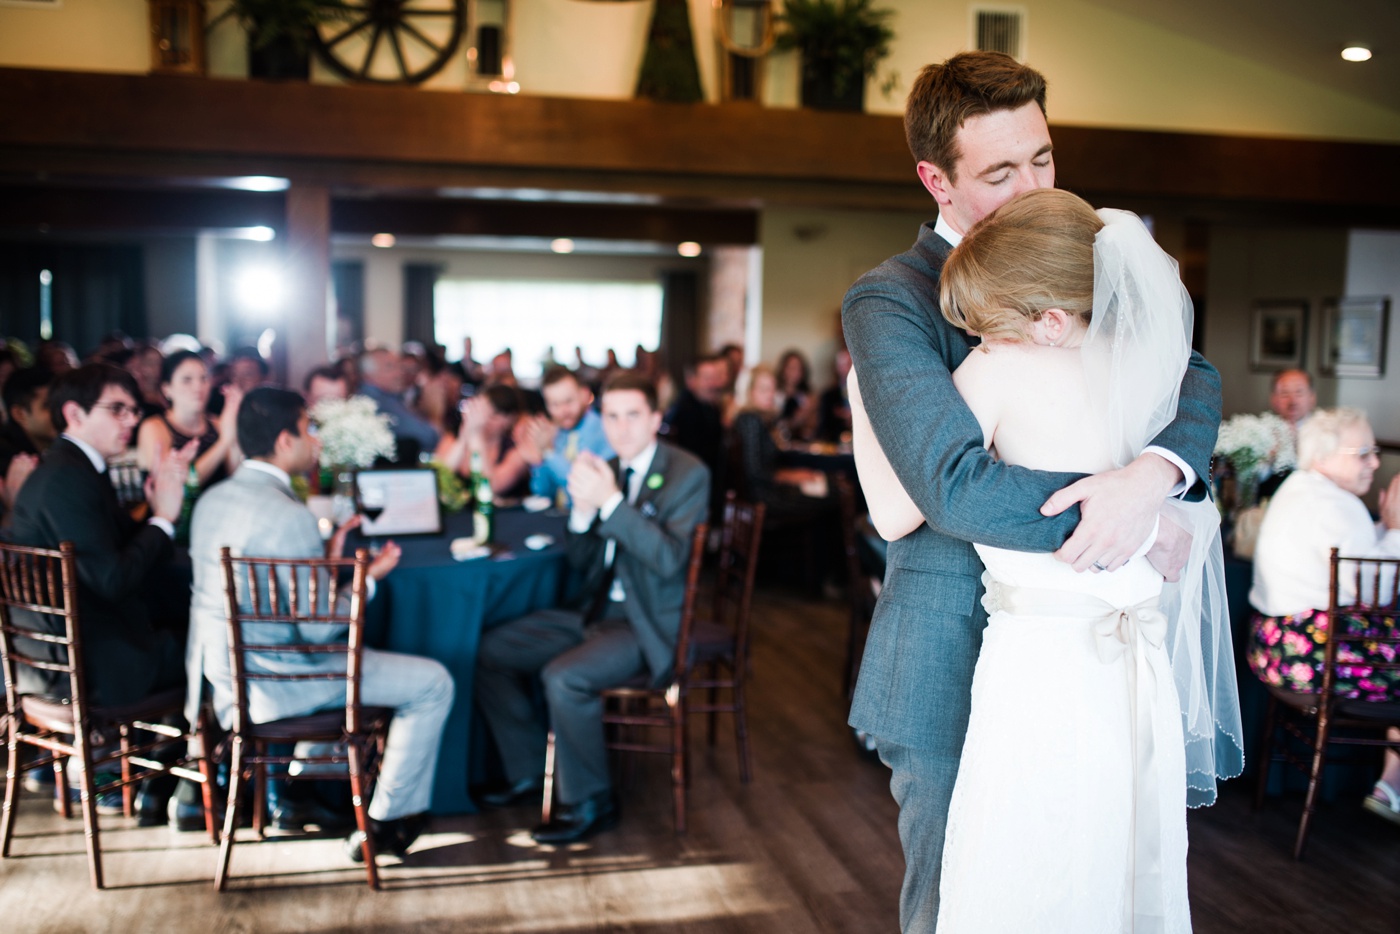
(56, 713)
(327, 726)
(709, 641)
(1380, 711)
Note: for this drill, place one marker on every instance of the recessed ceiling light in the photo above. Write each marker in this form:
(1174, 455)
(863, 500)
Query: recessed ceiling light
(688, 248)
(382, 240)
(1356, 53)
(562, 245)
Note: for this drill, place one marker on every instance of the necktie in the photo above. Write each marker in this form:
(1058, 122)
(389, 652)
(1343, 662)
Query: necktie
(626, 485)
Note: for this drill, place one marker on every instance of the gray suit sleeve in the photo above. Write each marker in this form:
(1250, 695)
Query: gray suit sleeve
(1192, 435)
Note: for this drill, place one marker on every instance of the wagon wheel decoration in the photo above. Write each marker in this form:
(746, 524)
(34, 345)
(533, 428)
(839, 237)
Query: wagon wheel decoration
(391, 41)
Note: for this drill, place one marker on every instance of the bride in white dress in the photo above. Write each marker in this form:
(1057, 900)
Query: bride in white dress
(1097, 697)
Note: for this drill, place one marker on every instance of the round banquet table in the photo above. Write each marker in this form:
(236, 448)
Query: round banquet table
(435, 606)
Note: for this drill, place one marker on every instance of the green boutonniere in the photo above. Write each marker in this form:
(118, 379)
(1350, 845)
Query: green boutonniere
(654, 481)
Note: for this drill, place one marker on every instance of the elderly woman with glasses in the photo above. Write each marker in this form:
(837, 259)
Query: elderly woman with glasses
(1316, 509)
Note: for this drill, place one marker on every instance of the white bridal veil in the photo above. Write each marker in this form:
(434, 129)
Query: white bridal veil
(1138, 348)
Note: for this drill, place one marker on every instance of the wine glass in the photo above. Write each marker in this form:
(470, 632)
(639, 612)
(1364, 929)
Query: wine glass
(373, 499)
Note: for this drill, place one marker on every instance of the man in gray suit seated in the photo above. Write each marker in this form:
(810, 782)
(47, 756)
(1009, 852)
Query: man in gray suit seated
(255, 513)
(630, 532)
(976, 127)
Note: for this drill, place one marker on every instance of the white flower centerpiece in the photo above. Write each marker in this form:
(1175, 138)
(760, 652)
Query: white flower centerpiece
(353, 433)
(1255, 446)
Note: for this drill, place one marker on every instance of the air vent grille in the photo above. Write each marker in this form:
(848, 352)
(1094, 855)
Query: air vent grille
(999, 29)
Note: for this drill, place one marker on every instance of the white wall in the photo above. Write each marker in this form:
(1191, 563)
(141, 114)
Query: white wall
(1248, 264)
(1104, 68)
(1373, 269)
(810, 259)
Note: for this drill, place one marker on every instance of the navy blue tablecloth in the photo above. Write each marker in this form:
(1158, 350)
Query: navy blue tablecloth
(435, 606)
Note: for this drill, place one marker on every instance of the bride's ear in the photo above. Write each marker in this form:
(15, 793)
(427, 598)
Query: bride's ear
(1052, 326)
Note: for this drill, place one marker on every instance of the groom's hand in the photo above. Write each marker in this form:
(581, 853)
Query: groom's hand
(1118, 509)
(1169, 552)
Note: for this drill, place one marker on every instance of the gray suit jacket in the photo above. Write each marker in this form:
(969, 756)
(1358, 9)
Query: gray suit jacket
(916, 677)
(254, 514)
(653, 549)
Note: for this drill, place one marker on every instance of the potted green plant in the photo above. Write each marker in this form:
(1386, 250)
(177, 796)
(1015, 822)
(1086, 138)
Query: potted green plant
(841, 42)
(281, 33)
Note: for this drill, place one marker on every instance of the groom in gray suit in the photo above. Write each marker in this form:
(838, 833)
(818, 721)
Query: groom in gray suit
(255, 513)
(976, 126)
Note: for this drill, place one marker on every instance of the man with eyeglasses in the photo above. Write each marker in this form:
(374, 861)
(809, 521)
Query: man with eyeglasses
(70, 498)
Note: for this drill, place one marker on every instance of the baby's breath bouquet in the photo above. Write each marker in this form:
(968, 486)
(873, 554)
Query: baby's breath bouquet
(352, 431)
(1255, 446)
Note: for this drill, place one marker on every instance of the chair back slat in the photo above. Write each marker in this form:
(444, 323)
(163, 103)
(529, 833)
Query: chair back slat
(738, 565)
(41, 582)
(1375, 588)
(280, 595)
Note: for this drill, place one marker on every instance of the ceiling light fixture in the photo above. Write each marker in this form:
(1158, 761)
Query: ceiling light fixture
(382, 240)
(562, 245)
(1356, 53)
(689, 248)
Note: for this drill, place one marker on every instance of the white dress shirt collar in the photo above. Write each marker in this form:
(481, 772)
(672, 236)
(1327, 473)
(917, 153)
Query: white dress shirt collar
(946, 231)
(270, 469)
(639, 466)
(99, 463)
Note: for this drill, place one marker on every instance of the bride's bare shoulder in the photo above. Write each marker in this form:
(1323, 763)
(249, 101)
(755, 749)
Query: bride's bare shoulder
(990, 363)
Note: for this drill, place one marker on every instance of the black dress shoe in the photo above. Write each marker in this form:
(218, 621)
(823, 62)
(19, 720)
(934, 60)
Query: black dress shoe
(393, 837)
(292, 817)
(525, 790)
(580, 821)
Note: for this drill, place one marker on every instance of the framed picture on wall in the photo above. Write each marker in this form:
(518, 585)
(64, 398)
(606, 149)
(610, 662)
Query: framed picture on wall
(1354, 333)
(1278, 335)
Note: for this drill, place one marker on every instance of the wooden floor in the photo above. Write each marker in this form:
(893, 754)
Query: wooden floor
(810, 845)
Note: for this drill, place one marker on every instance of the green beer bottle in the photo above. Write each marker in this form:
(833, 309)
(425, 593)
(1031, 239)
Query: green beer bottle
(484, 511)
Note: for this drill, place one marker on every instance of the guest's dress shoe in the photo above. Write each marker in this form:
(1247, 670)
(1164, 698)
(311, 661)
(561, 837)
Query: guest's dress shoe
(392, 837)
(295, 816)
(181, 816)
(576, 822)
(520, 792)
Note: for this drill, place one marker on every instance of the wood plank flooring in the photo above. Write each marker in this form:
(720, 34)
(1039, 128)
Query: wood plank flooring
(809, 846)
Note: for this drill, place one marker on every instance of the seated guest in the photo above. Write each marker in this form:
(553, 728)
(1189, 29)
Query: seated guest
(68, 498)
(1316, 509)
(184, 382)
(58, 357)
(26, 434)
(248, 369)
(632, 540)
(143, 362)
(440, 396)
(323, 383)
(467, 369)
(694, 421)
(797, 406)
(834, 406)
(382, 380)
(550, 445)
(1291, 396)
(758, 478)
(255, 513)
(486, 427)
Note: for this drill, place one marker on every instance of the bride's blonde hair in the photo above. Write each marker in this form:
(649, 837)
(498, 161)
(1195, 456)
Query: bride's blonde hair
(1033, 253)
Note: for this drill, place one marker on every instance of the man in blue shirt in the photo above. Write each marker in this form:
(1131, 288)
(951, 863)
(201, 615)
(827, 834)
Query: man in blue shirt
(549, 445)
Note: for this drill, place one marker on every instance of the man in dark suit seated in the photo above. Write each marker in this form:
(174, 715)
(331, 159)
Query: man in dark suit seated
(630, 531)
(69, 498)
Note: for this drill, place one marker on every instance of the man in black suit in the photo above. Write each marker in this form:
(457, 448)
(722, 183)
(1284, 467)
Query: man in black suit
(69, 498)
(630, 532)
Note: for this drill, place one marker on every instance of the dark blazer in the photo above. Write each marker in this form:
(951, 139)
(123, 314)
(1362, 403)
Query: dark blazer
(916, 677)
(653, 538)
(66, 499)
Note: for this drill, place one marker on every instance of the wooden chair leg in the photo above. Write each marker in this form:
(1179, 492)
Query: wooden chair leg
(1314, 781)
(259, 794)
(741, 727)
(1266, 753)
(60, 784)
(678, 761)
(208, 772)
(128, 790)
(236, 778)
(86, 784)
(12, 782)
(547, 804)
(358, 794)
(710, 729)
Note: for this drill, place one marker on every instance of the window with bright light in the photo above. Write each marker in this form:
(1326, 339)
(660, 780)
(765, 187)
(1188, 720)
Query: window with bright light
(533, 319)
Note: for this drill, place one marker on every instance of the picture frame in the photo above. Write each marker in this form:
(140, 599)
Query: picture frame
(1278, 335)
(1354, 335)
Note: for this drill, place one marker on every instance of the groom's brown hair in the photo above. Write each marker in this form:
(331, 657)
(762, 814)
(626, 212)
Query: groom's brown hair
(946, 95)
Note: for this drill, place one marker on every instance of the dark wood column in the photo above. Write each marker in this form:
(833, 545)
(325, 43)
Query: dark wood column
(306, 330)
